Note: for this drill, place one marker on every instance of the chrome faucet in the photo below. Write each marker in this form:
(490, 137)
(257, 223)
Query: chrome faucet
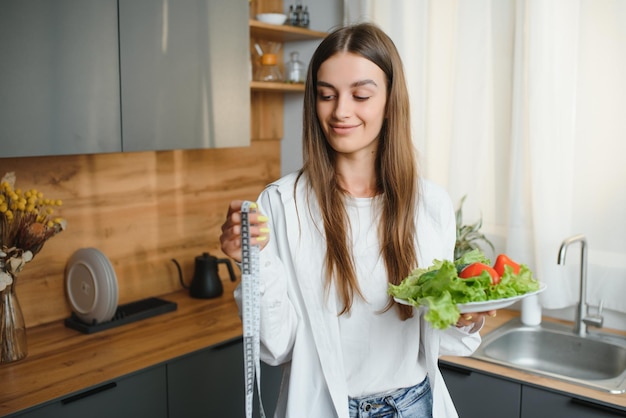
(583, 319)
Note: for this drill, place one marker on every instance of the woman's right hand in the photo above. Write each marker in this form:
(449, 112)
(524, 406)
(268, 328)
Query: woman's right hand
(231, 230)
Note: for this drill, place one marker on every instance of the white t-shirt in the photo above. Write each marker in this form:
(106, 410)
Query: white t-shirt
(380, 351)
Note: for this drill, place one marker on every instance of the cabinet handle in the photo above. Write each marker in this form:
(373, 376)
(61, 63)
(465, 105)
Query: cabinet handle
(89, 392)
(456, 369)
(598, 407)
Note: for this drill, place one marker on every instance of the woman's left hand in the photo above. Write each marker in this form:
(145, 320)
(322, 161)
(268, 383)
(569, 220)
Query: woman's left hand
(475, 319)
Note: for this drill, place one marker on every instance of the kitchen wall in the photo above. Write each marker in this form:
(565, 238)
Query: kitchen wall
(141, 209)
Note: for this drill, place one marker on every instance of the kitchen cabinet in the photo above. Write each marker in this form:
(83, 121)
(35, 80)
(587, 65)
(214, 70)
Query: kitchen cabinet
(184, 69)
(540, 403)
(482, 395)
(101, 76)
(59, 77)
(208, 382)
(478, 395)
(143, 394)
(212, 382)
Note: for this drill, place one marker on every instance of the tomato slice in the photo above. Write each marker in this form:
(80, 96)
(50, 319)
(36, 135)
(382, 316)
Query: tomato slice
(476, 269)
(503, 260)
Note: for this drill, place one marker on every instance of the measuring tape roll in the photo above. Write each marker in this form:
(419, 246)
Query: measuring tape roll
(251, 296)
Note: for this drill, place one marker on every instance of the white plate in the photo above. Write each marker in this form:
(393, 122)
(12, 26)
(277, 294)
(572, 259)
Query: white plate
(111, 287)
(488, 305)
(91, 286)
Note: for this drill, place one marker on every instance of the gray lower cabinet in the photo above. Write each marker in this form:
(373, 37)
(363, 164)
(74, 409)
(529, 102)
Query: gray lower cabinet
(210, 383)
(477, 395)
(540, 403)
(481, 395)
(143, 394)
(207, 383)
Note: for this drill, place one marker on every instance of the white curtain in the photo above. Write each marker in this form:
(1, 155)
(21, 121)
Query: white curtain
(521, 106)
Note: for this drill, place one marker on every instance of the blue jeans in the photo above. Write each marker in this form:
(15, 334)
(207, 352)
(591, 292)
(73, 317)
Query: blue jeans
(413, 402)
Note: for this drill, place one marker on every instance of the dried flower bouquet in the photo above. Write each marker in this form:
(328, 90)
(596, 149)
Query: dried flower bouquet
(26, 223)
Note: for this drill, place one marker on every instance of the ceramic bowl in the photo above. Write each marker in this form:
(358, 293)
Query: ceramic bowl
(272, 18)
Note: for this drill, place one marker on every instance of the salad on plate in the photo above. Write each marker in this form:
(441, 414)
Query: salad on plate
(467, 283)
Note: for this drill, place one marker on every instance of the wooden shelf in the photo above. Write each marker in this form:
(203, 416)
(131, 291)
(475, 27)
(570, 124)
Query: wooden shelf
(283, 33)
(277, 87)
(266, 99)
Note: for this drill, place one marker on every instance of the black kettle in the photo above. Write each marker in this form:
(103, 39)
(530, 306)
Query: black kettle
(206, 282)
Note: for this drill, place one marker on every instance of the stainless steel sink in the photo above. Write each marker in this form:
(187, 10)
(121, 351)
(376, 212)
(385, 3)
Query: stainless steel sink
(551, 349)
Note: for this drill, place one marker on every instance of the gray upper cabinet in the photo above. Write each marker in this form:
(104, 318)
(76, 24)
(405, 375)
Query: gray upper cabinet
(59, 77)
(98, 76)
(184, 74)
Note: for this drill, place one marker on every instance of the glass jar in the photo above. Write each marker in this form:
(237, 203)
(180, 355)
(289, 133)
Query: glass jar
(294, 69)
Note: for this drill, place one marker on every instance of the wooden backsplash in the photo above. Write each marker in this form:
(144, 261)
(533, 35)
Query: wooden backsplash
(141, 210)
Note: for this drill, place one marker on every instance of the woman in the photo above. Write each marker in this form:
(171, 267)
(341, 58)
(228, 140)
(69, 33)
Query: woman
(355, 218)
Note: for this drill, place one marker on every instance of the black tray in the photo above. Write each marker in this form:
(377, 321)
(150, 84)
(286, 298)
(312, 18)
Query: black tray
(125, 314)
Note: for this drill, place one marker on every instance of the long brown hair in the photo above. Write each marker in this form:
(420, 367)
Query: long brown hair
(396, 169)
